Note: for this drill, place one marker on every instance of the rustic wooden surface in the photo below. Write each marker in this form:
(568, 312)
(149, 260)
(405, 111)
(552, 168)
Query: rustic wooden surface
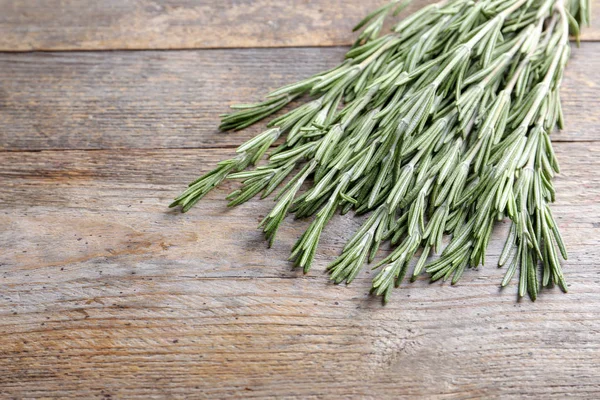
(105, 293)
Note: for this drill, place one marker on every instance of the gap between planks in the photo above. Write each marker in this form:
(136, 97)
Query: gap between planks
(223, 147)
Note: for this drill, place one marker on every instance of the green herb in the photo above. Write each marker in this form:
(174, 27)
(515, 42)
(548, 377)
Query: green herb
(438, 128)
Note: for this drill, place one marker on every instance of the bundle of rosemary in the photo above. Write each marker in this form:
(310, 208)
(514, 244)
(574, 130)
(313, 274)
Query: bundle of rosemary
(440, 127)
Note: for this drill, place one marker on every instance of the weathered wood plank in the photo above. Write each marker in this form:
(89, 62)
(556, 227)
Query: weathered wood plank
(105, 292)
(185, 24)
(173, 99)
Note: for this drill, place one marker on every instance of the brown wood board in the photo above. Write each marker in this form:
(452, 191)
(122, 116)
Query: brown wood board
(188, 24)
(106, 292)
(100, 100)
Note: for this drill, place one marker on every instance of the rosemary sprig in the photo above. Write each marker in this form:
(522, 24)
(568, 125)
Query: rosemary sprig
(438, 128)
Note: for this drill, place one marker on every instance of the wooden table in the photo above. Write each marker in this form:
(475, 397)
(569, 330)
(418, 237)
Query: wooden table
(104, 292)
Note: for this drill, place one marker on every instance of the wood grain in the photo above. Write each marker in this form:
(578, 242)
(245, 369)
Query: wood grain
(185, 24)
(105, 293)
(173, 99)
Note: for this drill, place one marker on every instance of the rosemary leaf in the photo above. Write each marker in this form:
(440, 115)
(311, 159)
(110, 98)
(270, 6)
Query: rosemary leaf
(439, 128)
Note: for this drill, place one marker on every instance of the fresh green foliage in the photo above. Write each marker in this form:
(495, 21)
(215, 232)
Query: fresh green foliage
(438, 128)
